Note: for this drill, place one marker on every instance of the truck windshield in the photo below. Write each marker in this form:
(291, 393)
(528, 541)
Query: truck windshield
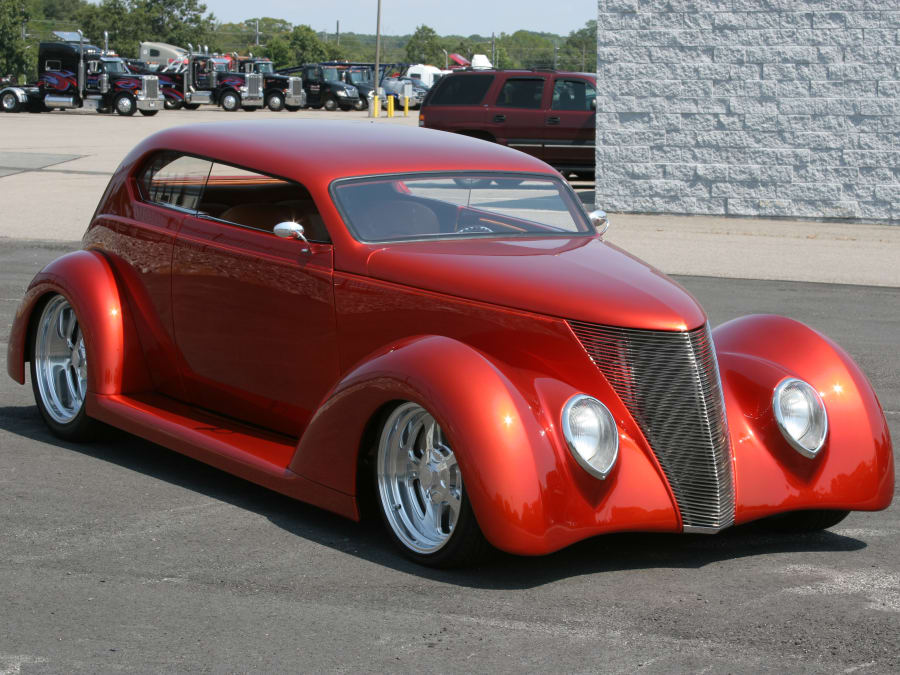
(331, 75)
(115, 67)
(459, 205)
(265, 68)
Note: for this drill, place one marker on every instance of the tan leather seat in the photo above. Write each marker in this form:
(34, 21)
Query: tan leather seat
(259, 216)
(397, 219)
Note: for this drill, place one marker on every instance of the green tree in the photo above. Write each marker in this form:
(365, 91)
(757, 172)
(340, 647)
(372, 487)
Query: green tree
(14, 52)
(579, 52)
(177, 22)
(306, 47)
(278, 49)
(125, 30)
(424, 46)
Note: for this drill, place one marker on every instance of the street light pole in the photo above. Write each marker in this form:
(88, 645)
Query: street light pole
(377, 74)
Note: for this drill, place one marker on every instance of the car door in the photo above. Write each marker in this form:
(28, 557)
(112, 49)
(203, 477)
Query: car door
(516, 117)
(254, 313)
(312, 82)
(570, 124)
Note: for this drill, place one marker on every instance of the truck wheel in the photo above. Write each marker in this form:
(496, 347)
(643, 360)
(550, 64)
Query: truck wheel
(125, 104)
(231, 101)
(191, 106)
(173, 103)
(149, 113)
(292, 108)
(330, 103)
(275, 101)
(360, 104)
(10, 102)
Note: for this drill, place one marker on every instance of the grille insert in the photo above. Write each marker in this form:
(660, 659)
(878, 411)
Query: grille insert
(151, 86)
(669, 381)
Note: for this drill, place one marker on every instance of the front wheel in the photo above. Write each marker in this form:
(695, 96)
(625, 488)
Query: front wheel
(291, 108)
(231, 101)
(125, 105)
(275, 101)
(330, 103)
(149, 113)
(59, 371)
(420, 488)
(10, 102)
(361, 104)
(806, 521)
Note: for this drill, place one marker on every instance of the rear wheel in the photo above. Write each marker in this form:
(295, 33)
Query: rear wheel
(420, 491)
(149, 113)
(275, 101)
(59, 371)
(806, 521)
(125, 104)
(191, 106)
(173, 103)
(10, 102)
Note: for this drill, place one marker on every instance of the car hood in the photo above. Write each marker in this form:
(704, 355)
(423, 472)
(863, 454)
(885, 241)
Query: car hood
(580, 278)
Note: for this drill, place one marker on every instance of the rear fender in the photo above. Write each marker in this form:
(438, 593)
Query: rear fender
(85, 278)
(854, 469)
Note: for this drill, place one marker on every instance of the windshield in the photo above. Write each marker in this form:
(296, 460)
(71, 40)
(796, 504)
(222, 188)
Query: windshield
(331, 74)
(265, 68)
(359, 77)
(115, 67)
(220, 66)
(459, 205)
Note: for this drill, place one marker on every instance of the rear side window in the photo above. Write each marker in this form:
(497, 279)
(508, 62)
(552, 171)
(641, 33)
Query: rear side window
(521, 93)
(260, 202)
(573, 95)
(462, 90)
(154, 52)
(175, 180)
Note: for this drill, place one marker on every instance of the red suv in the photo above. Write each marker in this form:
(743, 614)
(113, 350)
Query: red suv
(546, 113)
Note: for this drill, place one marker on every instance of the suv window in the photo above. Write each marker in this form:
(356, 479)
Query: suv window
(462, 90)
(176, 180)
(521, 93)
(573, 95)
(260, 202)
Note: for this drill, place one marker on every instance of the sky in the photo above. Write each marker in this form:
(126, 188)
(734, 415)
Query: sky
(400, 17)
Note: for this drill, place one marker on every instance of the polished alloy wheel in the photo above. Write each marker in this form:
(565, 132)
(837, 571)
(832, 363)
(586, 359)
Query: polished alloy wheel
(419, 481)
(60, 361)
(10, 102)
(124, 105)
(230, 102)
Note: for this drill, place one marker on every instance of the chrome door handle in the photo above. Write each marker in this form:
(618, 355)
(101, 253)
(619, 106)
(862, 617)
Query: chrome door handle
(499, 118)
(553, 120)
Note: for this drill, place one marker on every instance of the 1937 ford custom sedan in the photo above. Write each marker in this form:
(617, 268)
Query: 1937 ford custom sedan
(335, 309)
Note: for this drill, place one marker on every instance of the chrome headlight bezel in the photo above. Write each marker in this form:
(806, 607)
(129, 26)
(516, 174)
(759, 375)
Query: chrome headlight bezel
(603, 470)
(808, 450)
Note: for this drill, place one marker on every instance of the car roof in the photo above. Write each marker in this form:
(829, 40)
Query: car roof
(518, 71)
(315, 152)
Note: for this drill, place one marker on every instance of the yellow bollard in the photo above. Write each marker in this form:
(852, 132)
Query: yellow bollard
(390, 104)
(406, 106)
(376, 106)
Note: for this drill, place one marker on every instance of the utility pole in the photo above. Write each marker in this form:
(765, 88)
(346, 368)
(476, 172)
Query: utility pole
(338, 32)
(377, 75)
(257, 32)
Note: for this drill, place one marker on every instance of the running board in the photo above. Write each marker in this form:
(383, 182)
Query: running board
(254, 454)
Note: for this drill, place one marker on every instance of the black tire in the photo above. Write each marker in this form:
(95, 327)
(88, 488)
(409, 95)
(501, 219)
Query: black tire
(275, 101)
(149, 113)
(250, 108)
(330, 103)
(585, 175)
(191, 106)
(173, 103)
(806, 521)
(125, 105)
(10, 102)
(361, 104)
(291, 108)
(466, 545)
(230, 101)
(81, 427)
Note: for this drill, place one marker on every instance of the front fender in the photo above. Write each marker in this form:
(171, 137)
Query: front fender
(18, 91)
(528, 494)
(855, 467)
(87, 281)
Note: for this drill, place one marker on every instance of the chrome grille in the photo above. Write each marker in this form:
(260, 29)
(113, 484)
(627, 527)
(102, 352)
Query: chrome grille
(151, 86)
(296, 85)
(669, 381)
(254, 84)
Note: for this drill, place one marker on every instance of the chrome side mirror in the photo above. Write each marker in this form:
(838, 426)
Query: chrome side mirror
(291, 230)
(600, 221)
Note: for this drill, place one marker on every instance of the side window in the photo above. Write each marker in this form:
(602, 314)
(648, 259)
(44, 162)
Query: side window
(309, 74)
(154, 52)
(260, 202)
(172, 179)
(521, 93)
(52, 65)
(573, 95)
(462, 90)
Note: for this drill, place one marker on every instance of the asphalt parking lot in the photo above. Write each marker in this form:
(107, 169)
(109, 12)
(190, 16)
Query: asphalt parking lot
(121, 556)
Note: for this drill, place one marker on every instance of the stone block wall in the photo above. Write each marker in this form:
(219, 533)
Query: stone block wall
(787, 108)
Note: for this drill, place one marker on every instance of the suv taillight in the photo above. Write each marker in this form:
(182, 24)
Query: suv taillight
(421, 119)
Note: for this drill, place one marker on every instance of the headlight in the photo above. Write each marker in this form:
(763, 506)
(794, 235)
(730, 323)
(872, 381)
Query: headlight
(801, 416)
(341, 92)
(591, 434)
